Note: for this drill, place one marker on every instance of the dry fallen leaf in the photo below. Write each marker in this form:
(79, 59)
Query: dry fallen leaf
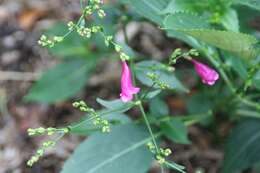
(28, 18)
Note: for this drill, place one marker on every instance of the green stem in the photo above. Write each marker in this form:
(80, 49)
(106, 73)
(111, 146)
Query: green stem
(149, 127)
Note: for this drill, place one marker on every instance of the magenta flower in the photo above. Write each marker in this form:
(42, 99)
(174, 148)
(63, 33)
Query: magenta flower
(208, 75)
(127, 88)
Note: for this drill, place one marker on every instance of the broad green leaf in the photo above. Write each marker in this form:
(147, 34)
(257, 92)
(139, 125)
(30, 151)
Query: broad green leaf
(121, 151)
(242, 148)
(116, 105)
(86, 127)
(150, 9)
(145, 67)
(240, 44)
(176, 131)
(61, 82)
(250, 3)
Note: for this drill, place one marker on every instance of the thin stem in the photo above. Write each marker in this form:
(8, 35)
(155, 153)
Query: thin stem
(149, 127)
(101, 114)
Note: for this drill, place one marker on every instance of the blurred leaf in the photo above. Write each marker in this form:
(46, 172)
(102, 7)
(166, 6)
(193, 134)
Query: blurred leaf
(86, 127)
(242, 148)
(122, 150)
(199, 103)
(250, 3)
(61, 82)
(256, 80)
(237, 64)
(176, 131)
(152, 94)
(158, 107)
(230, 20)
(144, 67)
(150, 9)
(116, 105)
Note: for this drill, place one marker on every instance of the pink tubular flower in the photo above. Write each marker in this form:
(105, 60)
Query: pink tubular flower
(127, 88)
(208, 75)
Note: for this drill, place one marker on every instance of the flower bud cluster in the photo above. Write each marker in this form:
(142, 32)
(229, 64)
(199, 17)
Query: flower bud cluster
(49, 42)
(160, 155)
(156, 80)
(46, 131)
(40, 152)
(109, 40)
(178, 53)
(97, 120)
(94, 6)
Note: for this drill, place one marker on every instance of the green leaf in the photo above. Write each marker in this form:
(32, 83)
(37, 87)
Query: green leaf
(237, 64)
(144, 67)
(242, 148)
(116, 105)
(256, 80)
(230, 20)
(122, 150)
(150, 9)
(61, 82)
(185, 20)
(158, 107)
(240, 44)
(255, 4)
(176, 131)
(152, 94)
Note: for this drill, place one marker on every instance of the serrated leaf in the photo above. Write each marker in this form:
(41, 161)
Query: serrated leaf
(176, 131)
(181, 20)
(116, 105)
(145, 67)
(242, 148)
(240, 44)
(255, 4)
(185, 20)
(61, 82)
(122, 150)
